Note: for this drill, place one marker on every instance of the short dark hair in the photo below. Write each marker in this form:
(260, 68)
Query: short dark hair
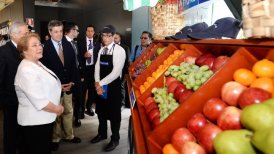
(149, 34)
(54, 23)
(68, 26)
(119, 34)
(90, 25)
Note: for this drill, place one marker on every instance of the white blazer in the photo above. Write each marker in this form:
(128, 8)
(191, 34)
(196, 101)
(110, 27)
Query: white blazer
(35, 87)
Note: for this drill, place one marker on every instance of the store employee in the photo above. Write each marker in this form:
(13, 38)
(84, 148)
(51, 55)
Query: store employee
(108, 70)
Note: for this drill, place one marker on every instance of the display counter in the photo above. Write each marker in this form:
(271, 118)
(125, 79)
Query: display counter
(149, 138)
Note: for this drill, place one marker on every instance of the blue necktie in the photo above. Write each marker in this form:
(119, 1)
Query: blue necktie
(90, 46)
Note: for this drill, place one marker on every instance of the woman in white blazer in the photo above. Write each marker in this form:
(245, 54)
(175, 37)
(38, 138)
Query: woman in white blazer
(38, 90)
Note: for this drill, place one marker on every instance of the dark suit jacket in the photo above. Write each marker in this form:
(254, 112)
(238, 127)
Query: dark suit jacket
(52, 61)
(9, 61)
(82, 46)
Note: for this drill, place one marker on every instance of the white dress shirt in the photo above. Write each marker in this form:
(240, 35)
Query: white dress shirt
(90, 50)
(35, 87)
(119, 57)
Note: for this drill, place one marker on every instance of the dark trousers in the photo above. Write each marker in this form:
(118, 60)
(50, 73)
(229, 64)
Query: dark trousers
(77, 95)
(37, 139)
(114, 125)
(11, 130)
(89, 85)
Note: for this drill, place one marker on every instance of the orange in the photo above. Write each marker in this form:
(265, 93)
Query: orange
(150, 80)
(142, 89)
(169, 149)
(244, 76)
(263, 83)
(264, 68)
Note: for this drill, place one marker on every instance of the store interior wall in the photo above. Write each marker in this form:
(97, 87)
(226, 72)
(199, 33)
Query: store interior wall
(12, 12)
(90, 12)
(141, 21)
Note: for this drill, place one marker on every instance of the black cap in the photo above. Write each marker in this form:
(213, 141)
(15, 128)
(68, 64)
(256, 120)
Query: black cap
(183, 33)
(224, 27)
(108, 29)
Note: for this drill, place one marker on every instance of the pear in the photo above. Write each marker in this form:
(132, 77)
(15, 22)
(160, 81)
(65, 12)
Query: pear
(234, 142)
(257, 117)
(264, 140)
(269, 102)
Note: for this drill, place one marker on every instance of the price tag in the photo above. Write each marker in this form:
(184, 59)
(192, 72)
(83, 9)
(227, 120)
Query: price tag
(132, 98)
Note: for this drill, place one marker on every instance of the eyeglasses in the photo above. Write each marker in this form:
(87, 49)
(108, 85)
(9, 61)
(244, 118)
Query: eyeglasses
(76, 30)
(145, 38)
(104, 35)
(37, 45)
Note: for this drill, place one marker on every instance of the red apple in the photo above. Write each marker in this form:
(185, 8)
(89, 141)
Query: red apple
(213, 107)
(219, 62)
(179, 90)
(253, 96)
(231, 92)
(153, 114)
(229, 119)
(181, 136)
(206, 136)
(201, 59)
(148, 101)
(169, 80)
(209, 62)
(151, 107)
(185, 95)
(190, 59)
(196, 122)
(173, 85)
(156, 122)
(192, 148)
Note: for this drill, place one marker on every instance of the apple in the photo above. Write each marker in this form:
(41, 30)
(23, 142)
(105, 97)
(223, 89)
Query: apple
(231, 92)
(185, 95)
(219, 62)
(209, 62)
(213, 107)
(151, 107)
(253, 96)
(181, 136)
(173, 85)
(169, 80)
(201, 59)
(206, 136)
(229, 119)
(148, 101)
(179, 90)
(192, 148)
(153, 114)
(190, 59)
(156, 122)
(196, 122)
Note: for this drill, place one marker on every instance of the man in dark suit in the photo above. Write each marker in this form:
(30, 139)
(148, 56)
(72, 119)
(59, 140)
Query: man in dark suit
(9, 61)
(89, 49)
(71, 31)
(59, 56)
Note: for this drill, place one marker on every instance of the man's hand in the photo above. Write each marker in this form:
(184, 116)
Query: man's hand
(87, 55)
(66, 87)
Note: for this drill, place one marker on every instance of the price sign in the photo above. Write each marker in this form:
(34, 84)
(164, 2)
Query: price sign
(132, 98)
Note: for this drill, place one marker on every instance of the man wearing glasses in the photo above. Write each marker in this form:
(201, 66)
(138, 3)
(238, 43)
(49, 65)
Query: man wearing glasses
(9, 61)
(108, 72)
(146, 39)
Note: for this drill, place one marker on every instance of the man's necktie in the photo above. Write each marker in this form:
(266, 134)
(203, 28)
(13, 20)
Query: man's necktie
(60, 52)
(105, 51)
(90, 47)
(74, 45)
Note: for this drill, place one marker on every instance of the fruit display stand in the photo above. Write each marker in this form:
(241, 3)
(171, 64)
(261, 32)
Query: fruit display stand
(243, 54)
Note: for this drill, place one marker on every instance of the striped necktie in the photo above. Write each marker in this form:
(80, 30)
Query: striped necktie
(60, 53)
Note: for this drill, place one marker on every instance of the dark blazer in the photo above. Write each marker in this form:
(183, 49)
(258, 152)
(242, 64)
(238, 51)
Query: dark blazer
(52, 61)
(82, 46)
(9, 61)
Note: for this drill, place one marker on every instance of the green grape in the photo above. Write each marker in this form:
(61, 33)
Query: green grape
(196, 87)
(167, 73)
(204, 68)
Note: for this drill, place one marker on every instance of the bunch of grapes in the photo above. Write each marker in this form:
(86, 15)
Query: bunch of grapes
(190, 75)
(140, 67)
(166, 102)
